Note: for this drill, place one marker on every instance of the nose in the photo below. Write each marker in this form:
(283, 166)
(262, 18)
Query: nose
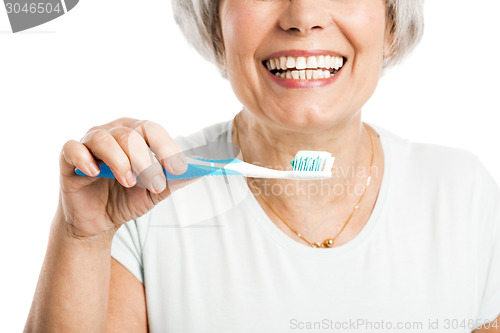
(305, 16)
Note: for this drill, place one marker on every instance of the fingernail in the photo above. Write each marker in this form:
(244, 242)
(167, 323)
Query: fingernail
(159, 184)
(130, 177)
(94, 169)
(178, 163)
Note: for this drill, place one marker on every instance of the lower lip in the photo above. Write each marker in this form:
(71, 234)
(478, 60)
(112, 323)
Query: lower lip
(303, 84)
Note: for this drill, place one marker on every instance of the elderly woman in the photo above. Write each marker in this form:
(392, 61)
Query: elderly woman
(402, 237)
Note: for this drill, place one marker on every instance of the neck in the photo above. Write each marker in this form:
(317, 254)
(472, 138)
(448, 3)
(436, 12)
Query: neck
(272, 146)
(315, 208)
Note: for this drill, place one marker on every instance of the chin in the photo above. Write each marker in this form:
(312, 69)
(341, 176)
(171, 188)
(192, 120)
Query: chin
(307, 119)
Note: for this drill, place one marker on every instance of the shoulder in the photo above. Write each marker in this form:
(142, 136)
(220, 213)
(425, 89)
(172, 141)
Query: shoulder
(438, 175)
(432, 161)
(445, 183)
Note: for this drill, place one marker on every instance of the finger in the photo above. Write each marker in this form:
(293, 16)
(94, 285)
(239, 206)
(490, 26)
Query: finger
(127, 122)
(157, 138)
(77, 155)
(143, 161)
(104, 147)
(164, 147)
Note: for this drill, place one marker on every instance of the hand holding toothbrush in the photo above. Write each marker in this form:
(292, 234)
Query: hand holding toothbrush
(95, 205)
(129, 147)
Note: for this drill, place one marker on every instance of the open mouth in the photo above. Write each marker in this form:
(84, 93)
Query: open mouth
(305, 68)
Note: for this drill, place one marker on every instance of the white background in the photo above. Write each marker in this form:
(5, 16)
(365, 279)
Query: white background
(114, 58)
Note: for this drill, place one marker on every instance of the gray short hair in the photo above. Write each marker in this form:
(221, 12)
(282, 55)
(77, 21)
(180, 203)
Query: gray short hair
(199, 22)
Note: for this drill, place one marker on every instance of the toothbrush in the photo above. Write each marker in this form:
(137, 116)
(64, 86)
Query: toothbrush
(307, 165)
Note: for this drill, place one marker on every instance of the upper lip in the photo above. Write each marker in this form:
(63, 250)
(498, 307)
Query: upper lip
(303, 53)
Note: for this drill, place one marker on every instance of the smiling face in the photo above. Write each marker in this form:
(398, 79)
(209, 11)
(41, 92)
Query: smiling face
(304, 64)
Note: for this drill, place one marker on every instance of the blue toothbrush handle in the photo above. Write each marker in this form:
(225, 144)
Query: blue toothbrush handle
(105, 172)
(193, 171)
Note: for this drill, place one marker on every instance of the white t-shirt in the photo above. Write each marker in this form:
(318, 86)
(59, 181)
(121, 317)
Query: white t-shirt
(428, 259)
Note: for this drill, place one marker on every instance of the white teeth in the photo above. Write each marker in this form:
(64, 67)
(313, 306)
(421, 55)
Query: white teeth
(327, 61)
(305, 75)
(333, 62)
(340, 62)
(300, 63)
(312, 63)
(305, 68)
(282, 63)
(321, 61)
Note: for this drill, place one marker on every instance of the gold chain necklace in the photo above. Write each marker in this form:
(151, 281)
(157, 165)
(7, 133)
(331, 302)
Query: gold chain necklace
(329, 241)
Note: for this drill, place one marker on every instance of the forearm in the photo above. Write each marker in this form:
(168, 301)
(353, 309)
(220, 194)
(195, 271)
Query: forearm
(73, 287)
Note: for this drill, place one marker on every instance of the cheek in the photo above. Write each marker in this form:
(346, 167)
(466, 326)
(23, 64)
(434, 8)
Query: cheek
(365, 28)
(239, 33)
(242, 39)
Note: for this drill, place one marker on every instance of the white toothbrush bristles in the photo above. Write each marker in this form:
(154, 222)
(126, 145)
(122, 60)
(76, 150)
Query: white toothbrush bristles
(308, 160)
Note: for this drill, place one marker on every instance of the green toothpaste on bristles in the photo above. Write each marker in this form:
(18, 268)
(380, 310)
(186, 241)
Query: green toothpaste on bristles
(308, 160)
